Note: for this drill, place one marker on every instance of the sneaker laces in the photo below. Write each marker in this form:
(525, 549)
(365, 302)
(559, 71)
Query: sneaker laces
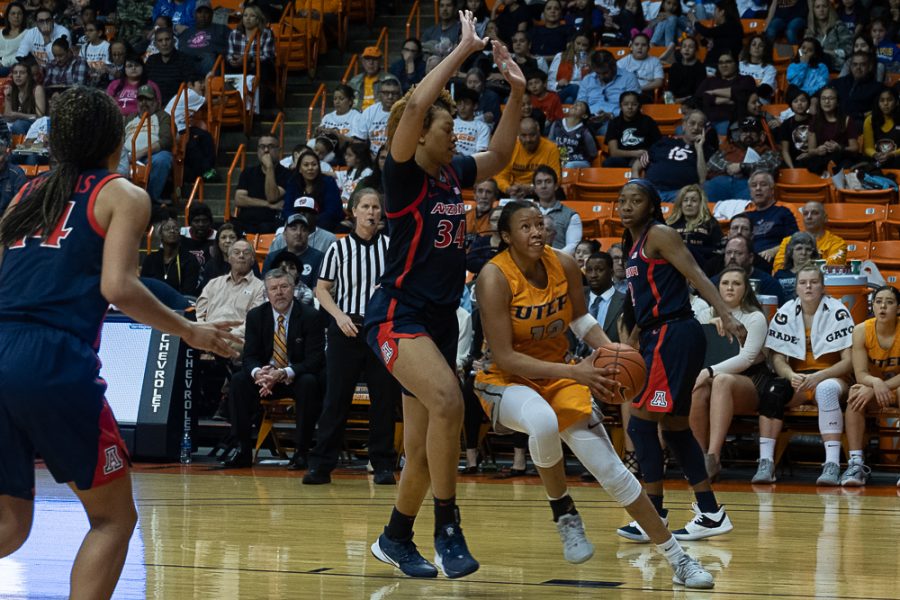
(855, 468)
(688, 568)
(571, 531)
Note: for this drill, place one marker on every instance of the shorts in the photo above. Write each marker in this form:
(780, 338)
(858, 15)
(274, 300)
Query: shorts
(570, 400)
(52, 403)
(673, 354)
(388, 320)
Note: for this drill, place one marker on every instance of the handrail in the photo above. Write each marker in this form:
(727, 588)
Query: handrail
(416, 11)
(249, 99)
(321, 96)
(383, 41)
(352, 68)
(196, 192)
(215, 110)
(182, 93)
(242, 155)
(278, 129)
(145, 118)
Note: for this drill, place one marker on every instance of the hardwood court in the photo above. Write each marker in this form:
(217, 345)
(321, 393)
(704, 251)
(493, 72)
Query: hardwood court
(211, 535)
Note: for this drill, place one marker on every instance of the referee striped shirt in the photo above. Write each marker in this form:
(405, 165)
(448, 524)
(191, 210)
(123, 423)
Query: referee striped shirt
(354, 265)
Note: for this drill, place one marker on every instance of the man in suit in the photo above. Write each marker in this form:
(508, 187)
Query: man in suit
(603, 301)
(284, 352)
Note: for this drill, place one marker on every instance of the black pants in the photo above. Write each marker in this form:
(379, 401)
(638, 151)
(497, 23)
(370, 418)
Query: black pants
(244, 397)
(347, 361)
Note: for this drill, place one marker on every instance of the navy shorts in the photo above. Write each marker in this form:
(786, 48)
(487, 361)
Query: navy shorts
(52, 403)
(673, 354)
(389, 320)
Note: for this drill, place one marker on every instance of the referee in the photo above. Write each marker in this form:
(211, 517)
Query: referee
(350, 270)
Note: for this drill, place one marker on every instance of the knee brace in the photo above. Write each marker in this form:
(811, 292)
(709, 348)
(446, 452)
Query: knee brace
(647, 449)
(775, 395)
(828, 397)
(686, 449)
(596, 453)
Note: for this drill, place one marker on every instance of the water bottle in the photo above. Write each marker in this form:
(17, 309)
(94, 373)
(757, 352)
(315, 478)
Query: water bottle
(186, 448)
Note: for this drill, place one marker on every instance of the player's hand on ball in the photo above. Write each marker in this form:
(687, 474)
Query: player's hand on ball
(598, 379)
(215, 337)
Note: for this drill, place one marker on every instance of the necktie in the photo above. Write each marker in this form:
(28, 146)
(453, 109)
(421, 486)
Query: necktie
(595, 309)
(279, 348)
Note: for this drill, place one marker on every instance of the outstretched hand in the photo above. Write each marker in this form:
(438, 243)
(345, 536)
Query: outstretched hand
(508, 67)
(215, 337)
(468, 38)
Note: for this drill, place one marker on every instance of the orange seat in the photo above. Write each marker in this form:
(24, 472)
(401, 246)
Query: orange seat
(667, 116)
(890, 277)
(855, 221)
(891, 223)
(801, 186)
(867, 196)
(593, 216)
(600, 184)
(858, 250)
(885, 254)
(775, 109)
(753, 26)
(607, 242)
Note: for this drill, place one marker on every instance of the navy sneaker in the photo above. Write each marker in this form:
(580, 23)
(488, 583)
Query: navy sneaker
(404, 555)
(451, 555)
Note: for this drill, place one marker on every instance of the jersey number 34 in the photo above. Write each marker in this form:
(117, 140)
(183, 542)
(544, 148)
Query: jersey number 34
(445, 235)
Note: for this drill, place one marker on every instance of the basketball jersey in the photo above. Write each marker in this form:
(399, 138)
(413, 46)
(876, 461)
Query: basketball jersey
(426, 260)
(810, 363)
(56, 282)
(659, 291)
(882, 363)
(540, 316)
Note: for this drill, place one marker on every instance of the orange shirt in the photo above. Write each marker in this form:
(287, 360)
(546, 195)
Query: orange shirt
(883, 363)
(811, 363)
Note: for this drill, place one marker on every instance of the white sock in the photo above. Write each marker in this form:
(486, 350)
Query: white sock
(519, 459)
(833, 452)
(767, 448)
(561, 496)
(672, 550)
(471, 457)
(857, 456)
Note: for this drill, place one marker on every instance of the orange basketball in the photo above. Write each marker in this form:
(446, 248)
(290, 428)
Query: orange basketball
(632, 371)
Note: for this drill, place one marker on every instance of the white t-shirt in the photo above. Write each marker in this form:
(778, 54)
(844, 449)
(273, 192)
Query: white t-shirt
(347, 180)
(343, 123)
(471, 136)
(39, 130)
(645, 70)
(195, 102)
(96, 55)
(762, 73)
(33, 43)
(372, 126)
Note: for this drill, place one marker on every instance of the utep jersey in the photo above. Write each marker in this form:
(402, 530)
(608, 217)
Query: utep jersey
(426, 261)
(56, 282)
(883, 362)
(658, 290)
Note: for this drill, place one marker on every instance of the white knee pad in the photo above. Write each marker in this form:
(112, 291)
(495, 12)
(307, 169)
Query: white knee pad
(522, 409)
(596, 453)
(828, 397)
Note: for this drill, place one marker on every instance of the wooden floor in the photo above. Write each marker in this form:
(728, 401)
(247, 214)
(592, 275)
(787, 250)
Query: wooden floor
(262, 534)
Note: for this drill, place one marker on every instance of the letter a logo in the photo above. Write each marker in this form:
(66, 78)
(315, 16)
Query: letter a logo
(113, 461)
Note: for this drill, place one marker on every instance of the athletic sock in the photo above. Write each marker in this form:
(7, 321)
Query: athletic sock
(445, 513)
(767, 449)
(833, 452)
(672, 550)
(657, 502)
(400, 527)
(706, 502)
(857, 455)
(564, 505)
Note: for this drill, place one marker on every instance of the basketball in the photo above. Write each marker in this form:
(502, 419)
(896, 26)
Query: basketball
(632, 372)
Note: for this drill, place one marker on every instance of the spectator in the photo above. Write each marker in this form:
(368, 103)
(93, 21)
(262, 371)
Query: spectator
(716, 94)
(630, 134)
(550, 38)
(858, 90)
(359, 165)
(813, 364)
(35, 147)
(514, 17)
(160, 148)
(307, 180)
(618, 256)
(746, 150)
(319, 238)
(830, 246)
(472, 136)
(478, 219)
(757, 62)
(676, 161)
(11, 36)
(771, 222)
(886, 50)
(488, 101)
(284, 353)
(260, 190)
(603, 301)
(739, 253)
(241, 42)
(201, 237)
(521, 46)
(726, 34)
(132, 20)
(170, 67)
(646, 68)
(409, 69)
(668, 25)
(808, 70)
(218, 264)
(296, 241)
(530, 152)
(787, 17)
(287, 261)
(339, 122)
(794, 132)
(546, 101)
(149, 48)
(38, 40)
(853, 15)
(880, 135)
(371, 125)
(12, 178)
(583, 251)
(530, 112)
(116, 62)
(569, 67)
(740, 225)
(832, 135)
(180, 11)
(367, 84)
(446, 28)
(24, 100)
(749, 104)
(577, 145)
(862, 43)
(826, 28)
(686, 74)
(173, 264)
(483, 248)
(602, 89)
(566, 221)
(584, 16)
(204, 40)
(800, 249)
(627, 19)
(66, 69)
(125, 89)
(692, 220)
(95, 52)
(375, 180)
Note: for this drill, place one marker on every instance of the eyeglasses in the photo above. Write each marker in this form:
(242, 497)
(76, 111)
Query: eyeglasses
(267, 146)
(241, 252)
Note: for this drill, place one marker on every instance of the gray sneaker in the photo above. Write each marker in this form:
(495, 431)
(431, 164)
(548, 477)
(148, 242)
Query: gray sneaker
(831, 474)
(576, 547)
(765, 473)
(856, 474)
(690, 574)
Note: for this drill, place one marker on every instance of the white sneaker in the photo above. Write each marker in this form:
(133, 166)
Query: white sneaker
(856, 475)
(636, 533)
(765, 473)
(704, 525)
(831, 473)
(576, 547)
(690, 574)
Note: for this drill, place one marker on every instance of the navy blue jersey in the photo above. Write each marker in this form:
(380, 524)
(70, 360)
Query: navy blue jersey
(56, 282)
(673, 163)
(426, 260)
(658, 290)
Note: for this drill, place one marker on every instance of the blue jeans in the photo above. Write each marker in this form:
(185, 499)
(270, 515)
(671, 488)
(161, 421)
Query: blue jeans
(159, 173)
(793, 29)
(619, 162)
(666, 32)
(20, 126)
(577, 164)
(726, 187)
(668, 195)
(568, 94)
(721, 127)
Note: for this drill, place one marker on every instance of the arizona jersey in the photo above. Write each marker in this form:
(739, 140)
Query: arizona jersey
(883, 363)
(56, 282)
(658, 290)
(426, 261)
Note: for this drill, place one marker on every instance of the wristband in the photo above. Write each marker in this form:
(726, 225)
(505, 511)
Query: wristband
(710, 371)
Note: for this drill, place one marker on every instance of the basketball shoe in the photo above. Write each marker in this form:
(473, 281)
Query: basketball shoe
(690, 574)
(704, 525)
(576, 547)
(404, 555)
(451, 555)
(765, 473)
(634, 532)
(856, 475)
(831, 474)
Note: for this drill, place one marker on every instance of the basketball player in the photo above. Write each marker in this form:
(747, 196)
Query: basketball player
(658, 268)
(68, 246)
(411, 319)
(528, 295)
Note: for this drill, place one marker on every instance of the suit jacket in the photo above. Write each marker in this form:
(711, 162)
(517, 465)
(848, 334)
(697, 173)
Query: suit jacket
(305, 338)
(616, 304)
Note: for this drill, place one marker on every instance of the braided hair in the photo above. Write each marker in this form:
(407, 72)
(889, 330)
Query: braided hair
(650, 191)
(86, 130)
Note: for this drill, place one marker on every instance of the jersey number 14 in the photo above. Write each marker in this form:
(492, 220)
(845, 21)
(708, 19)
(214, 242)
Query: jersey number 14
(59, 233)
